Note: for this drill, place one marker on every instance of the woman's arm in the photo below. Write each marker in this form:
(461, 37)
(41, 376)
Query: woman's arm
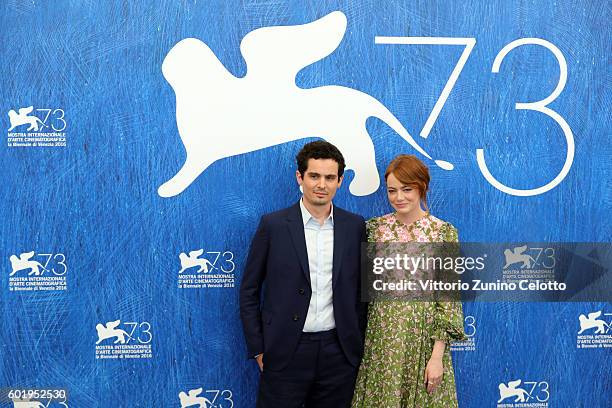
(435, 369)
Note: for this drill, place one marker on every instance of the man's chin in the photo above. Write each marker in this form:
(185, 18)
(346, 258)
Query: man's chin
(321, 201)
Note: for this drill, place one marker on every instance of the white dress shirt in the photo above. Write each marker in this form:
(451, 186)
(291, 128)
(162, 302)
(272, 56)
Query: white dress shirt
(320, 248)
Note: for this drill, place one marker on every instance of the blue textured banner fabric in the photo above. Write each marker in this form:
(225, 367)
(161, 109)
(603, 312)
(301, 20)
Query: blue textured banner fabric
(100, 269)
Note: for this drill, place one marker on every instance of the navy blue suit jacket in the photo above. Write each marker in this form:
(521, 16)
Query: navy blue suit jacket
(278, 262)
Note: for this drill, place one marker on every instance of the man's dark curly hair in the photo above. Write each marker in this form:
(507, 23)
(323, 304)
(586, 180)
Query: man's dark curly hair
(319, 149)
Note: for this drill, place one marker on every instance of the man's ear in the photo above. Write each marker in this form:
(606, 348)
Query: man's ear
(340, 180)
(298, 177)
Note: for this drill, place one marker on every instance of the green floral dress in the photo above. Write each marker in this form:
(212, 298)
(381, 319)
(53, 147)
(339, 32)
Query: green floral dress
(400, 334)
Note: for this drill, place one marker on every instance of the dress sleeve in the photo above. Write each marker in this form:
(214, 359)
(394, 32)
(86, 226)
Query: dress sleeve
(371, 227)
(448, 318)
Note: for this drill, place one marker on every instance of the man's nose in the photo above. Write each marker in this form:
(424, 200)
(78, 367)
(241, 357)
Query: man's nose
(321, 182)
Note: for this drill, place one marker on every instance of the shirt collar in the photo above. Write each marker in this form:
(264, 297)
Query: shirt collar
(306, 216)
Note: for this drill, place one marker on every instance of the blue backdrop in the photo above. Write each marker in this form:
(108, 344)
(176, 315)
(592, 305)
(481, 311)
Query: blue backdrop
(92, 72)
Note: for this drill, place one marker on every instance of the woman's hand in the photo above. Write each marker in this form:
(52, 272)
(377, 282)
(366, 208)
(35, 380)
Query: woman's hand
(435, 369)
(433, 374)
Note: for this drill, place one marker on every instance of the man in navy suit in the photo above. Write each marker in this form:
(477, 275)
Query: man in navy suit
(306, 334)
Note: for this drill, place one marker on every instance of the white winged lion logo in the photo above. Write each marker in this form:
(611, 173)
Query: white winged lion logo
(592, 321)
(27, 403)
(512, 390)
(219, 115)
(24, 118)
(193, 398)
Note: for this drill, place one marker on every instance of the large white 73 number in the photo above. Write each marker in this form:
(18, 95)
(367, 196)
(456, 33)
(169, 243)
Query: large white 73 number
(469, 44)
(539, 106)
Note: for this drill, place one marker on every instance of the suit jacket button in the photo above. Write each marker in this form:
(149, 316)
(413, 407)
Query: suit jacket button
(301, 291)
(295, 317)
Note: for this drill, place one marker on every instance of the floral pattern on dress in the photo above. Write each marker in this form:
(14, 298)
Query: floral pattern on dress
(400, 334)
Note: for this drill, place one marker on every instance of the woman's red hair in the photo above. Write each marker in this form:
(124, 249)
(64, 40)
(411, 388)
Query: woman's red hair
(412, 172)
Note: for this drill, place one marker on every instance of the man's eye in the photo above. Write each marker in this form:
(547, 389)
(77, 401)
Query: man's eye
(314, 176)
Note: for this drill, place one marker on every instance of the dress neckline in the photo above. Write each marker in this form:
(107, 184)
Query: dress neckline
(413, 223)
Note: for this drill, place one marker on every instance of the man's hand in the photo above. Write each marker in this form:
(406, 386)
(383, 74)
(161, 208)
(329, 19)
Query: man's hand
(259, 359)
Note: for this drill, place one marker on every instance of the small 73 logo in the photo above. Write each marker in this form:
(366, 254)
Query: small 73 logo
(51, 118)
(26, 262)
(139, 331)
(544, 257)
(532, 390)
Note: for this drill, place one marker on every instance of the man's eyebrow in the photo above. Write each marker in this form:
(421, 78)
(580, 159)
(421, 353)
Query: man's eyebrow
(314, 173)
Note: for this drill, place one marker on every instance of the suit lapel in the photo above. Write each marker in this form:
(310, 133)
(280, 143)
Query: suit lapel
(339, 241)
(296, 230)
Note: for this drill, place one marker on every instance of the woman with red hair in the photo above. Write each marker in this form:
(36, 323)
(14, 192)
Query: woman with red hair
(407, 361)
